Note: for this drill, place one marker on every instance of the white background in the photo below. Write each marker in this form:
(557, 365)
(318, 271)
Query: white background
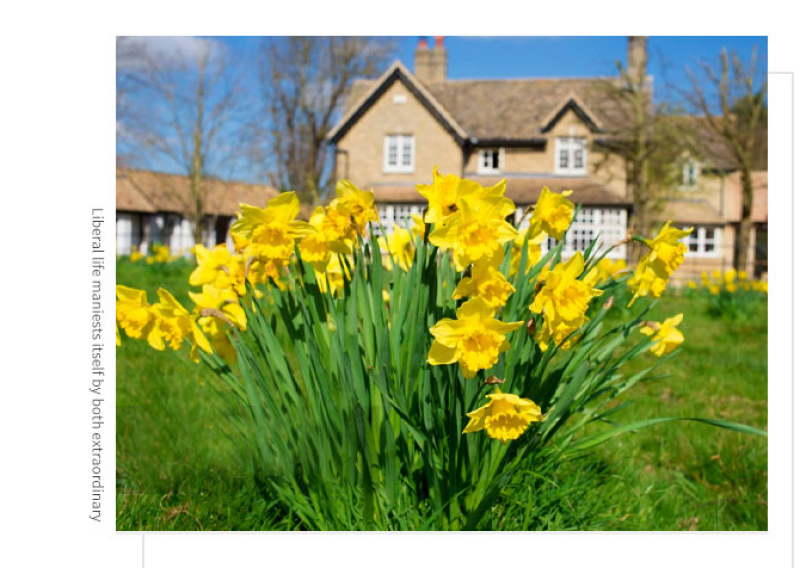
(57, 132)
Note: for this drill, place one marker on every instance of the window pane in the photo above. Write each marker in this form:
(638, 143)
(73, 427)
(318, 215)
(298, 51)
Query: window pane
(407, 151)
(391, 150)
(563, 158)
(578, 158)
(495, 159)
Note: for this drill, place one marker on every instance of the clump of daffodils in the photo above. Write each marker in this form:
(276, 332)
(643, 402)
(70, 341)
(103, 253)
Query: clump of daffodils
(159, 254)
(364, 366)
(731, 294)
(469, 225)
(731, 282)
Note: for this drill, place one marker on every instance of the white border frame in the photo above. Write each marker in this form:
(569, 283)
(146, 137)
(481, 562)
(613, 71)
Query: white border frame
(70, 46)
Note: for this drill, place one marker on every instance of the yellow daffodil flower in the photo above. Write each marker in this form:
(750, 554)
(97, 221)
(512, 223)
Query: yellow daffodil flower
(552, 214)
(475, 339)
(656, 266)
(135, 254)
(400, 246)
(217, 311)
(665, 335)
(136, 317)
(272, 231)
(211, 265)
(563, 300)
(441, 196)
(359, 204)
(692, 285)
(666, 251)
(339, 229)
(177, 324)
(445, 196)
(505, 417)
(742, 275)
(608, 268)
(216, 300)
(486, 282)
(474, 234)
(316, 248)
(645, 281)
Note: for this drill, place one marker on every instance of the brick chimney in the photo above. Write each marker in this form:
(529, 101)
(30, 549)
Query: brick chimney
(430, 65)
(422, 60)
(637, 59)
(438, 62)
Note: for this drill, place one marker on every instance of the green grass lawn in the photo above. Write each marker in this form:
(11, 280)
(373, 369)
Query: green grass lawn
(179, 466)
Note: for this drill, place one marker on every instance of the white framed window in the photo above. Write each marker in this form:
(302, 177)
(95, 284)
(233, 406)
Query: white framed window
(689, 175)
(571, 155)
(705, 241)
(398, 153)
(610, 223)
(490, 160)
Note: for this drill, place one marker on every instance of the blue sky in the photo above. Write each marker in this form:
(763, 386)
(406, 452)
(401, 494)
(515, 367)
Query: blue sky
(508, 57)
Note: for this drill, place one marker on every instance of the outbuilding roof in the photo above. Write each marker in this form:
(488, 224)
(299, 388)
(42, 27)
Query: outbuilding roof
(144, 191)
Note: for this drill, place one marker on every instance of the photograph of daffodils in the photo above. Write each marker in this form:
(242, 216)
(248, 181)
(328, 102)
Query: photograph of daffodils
(405, 381)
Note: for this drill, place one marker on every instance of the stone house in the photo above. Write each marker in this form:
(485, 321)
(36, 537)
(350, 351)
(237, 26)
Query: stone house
(532, 132)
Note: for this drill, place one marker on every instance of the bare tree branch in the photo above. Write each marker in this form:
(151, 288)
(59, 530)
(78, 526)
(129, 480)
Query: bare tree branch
(304, 83)
(738, 124)
(180, 113)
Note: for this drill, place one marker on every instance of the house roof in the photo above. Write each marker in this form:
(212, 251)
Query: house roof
(523, 191)
(364, 93)
(144, 191)
(708, 145)
(521, 110)
(502, 109)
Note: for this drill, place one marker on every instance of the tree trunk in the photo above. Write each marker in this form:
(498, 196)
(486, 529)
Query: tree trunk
(746, 225)
(196, 173)
(640, 222)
